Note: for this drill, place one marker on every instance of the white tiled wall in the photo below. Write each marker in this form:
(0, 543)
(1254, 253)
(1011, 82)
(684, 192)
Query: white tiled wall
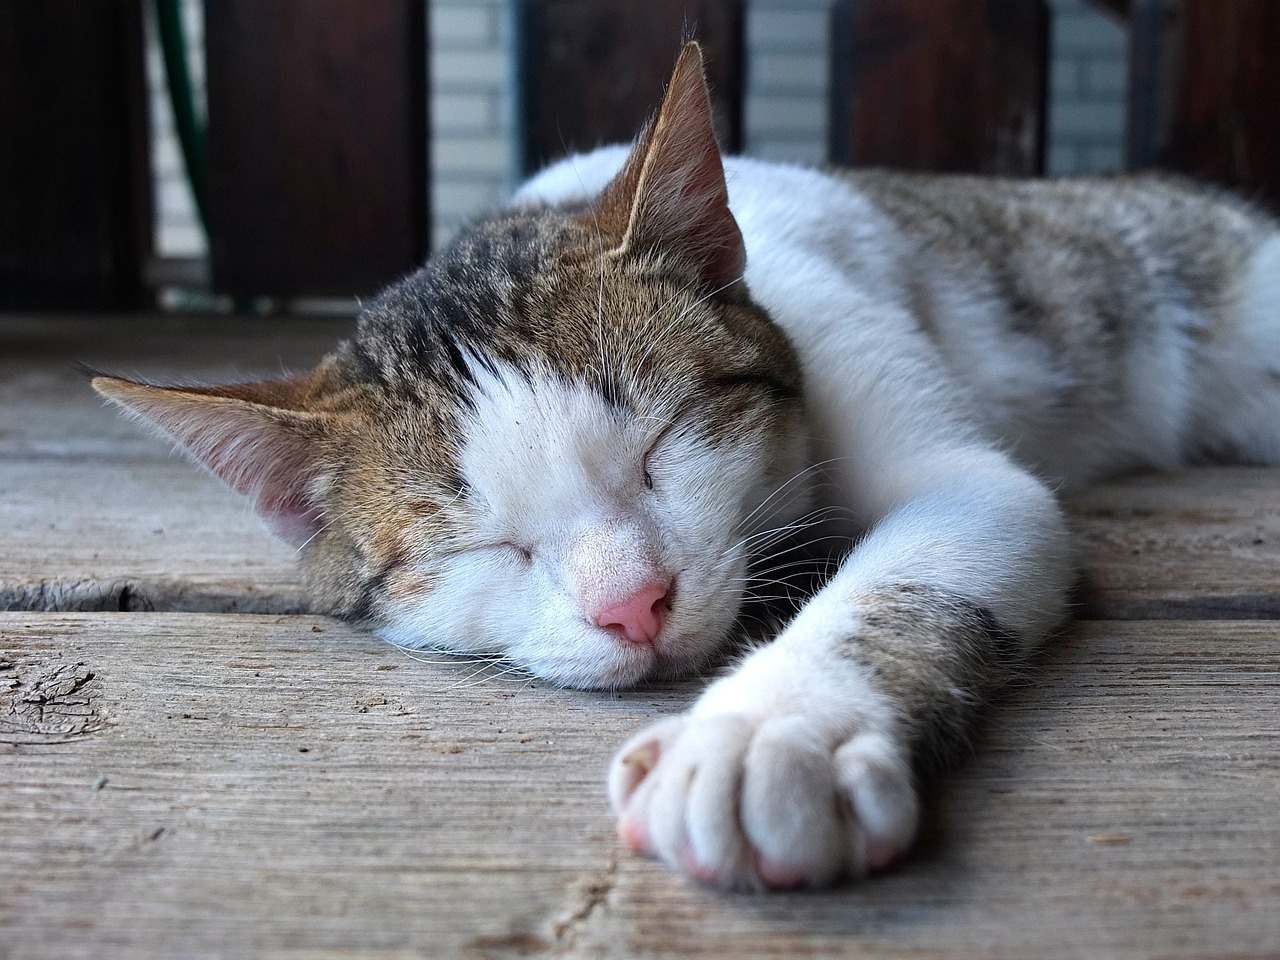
(473, 156)
(1088, 86)
(786, 88)
(473, 102)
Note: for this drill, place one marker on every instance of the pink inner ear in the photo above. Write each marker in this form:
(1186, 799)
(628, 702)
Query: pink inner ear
(292, 520)
(265, 453)
(271, 469)
(263, 458)
(681, 201)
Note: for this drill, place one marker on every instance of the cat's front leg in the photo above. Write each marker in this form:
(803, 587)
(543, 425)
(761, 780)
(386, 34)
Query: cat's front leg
(793, 771)
(798, 768)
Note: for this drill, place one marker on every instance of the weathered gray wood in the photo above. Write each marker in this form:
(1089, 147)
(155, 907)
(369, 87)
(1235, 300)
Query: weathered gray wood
(102, 534)
(47, 408)
(95, 514)
(1123, 803)
(196, 786)
(1200, 544)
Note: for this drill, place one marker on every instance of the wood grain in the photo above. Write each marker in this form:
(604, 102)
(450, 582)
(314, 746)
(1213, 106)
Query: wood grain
(198, 786)
(592, 71)
(1202, 92)
(96, 514)
(1200, 544)
(112, 535)
(75, 210)
(191, 785)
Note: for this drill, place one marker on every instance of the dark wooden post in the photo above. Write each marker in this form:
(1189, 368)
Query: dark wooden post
(75, 193)
(591, 71)
(944, 85)
(317, 144)
(1204, 92)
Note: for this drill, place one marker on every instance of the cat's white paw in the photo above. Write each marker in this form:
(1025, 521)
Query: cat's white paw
(764, 801)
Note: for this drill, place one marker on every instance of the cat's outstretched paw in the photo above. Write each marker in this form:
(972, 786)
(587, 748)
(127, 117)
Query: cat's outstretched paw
(751, 802)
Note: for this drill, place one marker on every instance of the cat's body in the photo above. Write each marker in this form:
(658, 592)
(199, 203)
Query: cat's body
(1091, 325)
(565, 440)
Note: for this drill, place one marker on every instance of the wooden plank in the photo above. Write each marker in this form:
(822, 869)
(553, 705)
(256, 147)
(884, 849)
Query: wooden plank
(1117, 8)
(1202, 92)
(591, 71)
(196, 786)
(1202, 544)
(317, 144)
(46, 406)
(95, 514)
(943, 85)
(75, 220)
(106, 534)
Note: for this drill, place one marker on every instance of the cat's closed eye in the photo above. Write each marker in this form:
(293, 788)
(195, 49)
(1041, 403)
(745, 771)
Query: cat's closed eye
(523, 553)
(500, 550)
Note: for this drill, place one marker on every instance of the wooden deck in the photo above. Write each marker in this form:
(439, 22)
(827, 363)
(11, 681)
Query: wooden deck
(191, 766)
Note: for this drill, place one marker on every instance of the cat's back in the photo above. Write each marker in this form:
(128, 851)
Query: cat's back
(1127, 226)
(1087, 318)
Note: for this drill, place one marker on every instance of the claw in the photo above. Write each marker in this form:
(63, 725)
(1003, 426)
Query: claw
(629, 772)
(632, 832)
(643, 759)
(778, 877)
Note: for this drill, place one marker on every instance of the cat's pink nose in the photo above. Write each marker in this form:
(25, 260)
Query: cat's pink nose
(640, 617)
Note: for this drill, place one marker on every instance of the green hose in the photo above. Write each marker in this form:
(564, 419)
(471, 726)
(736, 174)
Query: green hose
(191, 135)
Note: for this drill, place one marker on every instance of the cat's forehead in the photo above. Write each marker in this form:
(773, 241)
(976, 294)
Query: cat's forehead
(531, 440)
(535, 288)
(468, 299)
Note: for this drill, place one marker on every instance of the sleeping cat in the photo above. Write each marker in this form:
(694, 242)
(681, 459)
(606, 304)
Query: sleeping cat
(574, 438)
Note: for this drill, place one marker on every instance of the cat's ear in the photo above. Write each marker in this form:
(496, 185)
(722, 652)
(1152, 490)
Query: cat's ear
(260, 438)
(671, 194)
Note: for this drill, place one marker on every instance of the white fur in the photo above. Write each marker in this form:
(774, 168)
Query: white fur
(1239, 380)
(560, 474)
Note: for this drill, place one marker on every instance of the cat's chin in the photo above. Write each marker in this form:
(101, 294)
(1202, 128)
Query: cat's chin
(628, 666)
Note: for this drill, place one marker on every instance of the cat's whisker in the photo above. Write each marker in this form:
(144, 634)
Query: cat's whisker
(643, 333)
(781, 488)
(506, 673)
(767, 597)
(595, 220)
(654, 340)
(475, 678)
(799, 568)
(329, 521)
(761, 541)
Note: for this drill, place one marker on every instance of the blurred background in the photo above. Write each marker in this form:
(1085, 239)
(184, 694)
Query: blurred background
(254, 154)
(474, 160)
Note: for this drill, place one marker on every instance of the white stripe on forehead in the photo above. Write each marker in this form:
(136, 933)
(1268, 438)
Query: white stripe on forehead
(535, 444)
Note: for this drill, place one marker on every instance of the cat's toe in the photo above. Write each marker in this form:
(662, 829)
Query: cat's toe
(636, 759)
(717, 850)
(789, 806)
(876, 779)
(747, 803)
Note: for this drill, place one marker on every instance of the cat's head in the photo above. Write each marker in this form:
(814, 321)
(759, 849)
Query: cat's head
(559, 443)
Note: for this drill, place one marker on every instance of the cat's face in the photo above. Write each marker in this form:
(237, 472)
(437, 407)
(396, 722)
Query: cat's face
(564, 456)
(559, 443)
